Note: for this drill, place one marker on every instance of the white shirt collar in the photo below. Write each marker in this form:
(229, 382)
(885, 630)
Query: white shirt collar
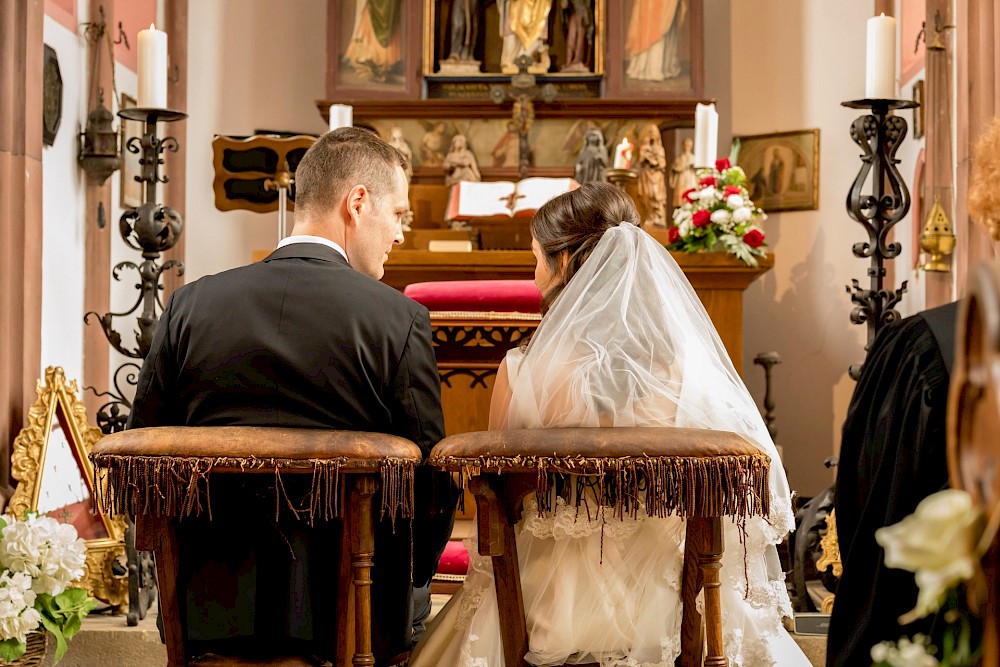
(306, 238)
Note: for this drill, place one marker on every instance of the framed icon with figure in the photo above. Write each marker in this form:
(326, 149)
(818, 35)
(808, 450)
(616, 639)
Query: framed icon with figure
(782, 169)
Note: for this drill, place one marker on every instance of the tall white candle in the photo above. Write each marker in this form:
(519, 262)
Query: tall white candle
(152, 68)
(880, 58)
(706, 135)
(341, 115)
(623, 154)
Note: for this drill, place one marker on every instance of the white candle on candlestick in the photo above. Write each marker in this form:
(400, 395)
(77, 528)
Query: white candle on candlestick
(880, 58)
(152, 51)
(706, 135)
(623, 154)
(341, 115)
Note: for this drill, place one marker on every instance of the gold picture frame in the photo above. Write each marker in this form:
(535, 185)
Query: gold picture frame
(782, 169)
(39, 451)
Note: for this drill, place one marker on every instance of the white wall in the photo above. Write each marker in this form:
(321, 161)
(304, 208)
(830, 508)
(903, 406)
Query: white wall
(251, 67)
(63, 232)
(793, 64)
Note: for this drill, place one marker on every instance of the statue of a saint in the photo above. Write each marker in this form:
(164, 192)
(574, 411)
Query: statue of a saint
(682, 174)
(592, 159)
(432, 146)
(653, 39)
(374, 50)
(460, 164)
(524, 31)
(464, 29)
(397, 141)
(579, 22)
(652, 167)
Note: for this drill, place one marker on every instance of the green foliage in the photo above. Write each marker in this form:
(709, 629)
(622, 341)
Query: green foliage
(11, 650)
(63, 615)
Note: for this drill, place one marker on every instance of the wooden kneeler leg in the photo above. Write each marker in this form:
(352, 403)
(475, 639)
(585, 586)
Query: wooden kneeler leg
(159, 535)
(496, 539)
(362, 535)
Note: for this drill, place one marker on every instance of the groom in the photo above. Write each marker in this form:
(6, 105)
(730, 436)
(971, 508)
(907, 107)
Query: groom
(307, 338)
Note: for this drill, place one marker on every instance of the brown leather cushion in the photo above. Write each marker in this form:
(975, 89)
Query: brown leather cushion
(258, 443)
(494, 450)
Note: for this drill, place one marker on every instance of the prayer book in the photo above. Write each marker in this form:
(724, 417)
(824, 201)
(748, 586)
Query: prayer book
(504, 199)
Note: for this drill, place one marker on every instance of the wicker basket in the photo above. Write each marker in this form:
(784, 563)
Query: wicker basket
(34, 654)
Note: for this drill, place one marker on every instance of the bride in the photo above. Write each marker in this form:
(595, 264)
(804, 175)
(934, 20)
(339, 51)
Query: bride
(624, 341)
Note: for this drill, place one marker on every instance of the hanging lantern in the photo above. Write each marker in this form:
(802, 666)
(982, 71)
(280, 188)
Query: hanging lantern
(99, 144)
(937, 238)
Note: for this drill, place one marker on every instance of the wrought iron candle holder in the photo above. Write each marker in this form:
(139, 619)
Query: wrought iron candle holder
(151, 229)
(879, 135)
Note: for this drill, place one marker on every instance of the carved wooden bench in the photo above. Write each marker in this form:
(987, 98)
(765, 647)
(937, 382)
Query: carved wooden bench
(160, 476)
(698, 474)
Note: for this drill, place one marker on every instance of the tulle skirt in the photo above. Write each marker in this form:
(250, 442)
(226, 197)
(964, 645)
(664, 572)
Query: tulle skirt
(608, 590)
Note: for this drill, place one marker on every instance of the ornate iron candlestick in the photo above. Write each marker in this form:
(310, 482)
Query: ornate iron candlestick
(151, 229)
(879, 136)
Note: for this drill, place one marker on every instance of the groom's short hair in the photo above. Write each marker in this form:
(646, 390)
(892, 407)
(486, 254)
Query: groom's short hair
(341, 159)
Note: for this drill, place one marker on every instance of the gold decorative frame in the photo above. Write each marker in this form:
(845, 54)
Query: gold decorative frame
(57, 398)
(791, 186)
(430, 35)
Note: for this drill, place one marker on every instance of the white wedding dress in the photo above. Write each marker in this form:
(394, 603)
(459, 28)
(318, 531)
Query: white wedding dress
(627, 343)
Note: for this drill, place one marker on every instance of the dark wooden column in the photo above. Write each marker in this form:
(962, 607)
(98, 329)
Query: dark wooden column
(174, 191)
(21, 49)
(97, 243)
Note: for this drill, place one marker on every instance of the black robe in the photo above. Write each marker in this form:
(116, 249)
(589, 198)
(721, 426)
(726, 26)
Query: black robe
(892, 457)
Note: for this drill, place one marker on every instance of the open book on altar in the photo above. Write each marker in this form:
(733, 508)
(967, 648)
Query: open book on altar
(504, 199)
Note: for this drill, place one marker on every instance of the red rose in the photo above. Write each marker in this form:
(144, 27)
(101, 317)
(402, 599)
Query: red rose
(722, 164)
(708, 180)
(689, 194)
(732, 190)
(754, 238)
(673, 235)
(702, 218)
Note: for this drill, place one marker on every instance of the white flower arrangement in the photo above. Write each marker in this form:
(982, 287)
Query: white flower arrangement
(39, 559)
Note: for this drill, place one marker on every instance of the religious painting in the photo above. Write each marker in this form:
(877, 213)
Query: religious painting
(470, 38)
(782, 169)
(655, 48)
(373, 49)
(131, 187)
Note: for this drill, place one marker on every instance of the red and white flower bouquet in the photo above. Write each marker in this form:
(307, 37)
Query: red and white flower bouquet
(719, 215)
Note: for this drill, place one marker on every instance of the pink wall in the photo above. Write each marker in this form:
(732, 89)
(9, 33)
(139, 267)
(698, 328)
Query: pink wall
(135, 15)
(63, 11)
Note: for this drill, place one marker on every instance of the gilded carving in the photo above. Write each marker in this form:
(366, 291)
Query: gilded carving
(830, 546)
(57, 406)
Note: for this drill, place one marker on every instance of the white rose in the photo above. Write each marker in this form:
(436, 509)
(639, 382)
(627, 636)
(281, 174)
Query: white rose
(721, 216)
(734, 201)
(937, 542)
(742, 213)
(685, 228)
(709, 194)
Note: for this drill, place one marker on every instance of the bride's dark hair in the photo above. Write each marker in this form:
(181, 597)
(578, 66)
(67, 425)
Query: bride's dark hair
(573, 223)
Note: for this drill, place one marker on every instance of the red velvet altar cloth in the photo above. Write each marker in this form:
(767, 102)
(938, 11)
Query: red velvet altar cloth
(455, 559)
(499, 296)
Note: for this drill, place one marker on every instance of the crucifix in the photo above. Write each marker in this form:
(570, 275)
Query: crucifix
(524, 90)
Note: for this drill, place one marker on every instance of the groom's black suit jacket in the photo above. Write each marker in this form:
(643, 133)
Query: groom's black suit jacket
(298, 340)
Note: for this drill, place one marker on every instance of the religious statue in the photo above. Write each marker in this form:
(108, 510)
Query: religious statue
(505, 153)
(397, 141)
(432, 146)
(524, 115)
(592, 159)
(682, 174)
(464, 29)
(524, 31)
(653, 39)
(460, 163)
(652, 166)
(579, 22)
(374, 49)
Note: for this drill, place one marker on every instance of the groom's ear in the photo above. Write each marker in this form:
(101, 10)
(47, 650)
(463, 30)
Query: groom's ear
(358, 201)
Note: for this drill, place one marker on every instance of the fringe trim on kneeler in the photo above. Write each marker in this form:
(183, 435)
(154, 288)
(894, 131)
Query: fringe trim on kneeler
(180, 486)
(735, 486)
